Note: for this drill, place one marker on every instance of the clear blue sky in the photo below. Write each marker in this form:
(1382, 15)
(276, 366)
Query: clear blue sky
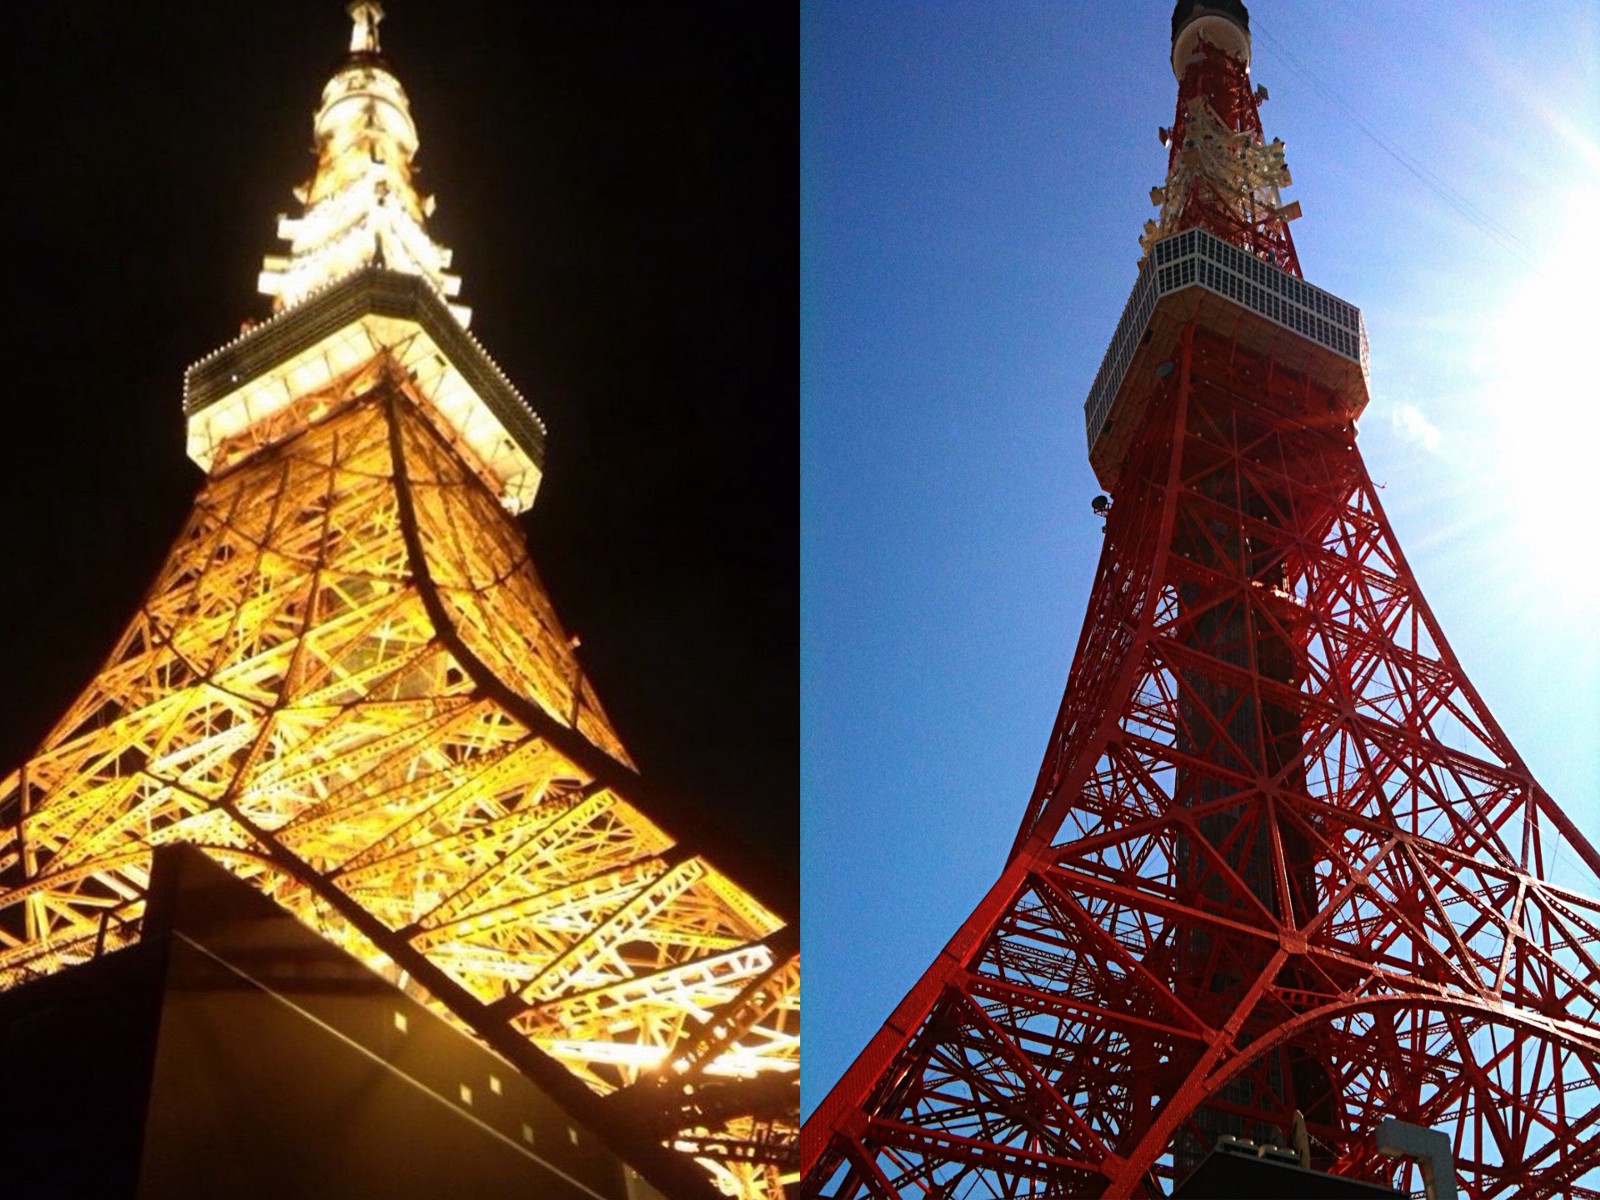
(974, 179)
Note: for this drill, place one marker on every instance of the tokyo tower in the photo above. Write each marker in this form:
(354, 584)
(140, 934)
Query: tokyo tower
(1281, 868)
(348, 686)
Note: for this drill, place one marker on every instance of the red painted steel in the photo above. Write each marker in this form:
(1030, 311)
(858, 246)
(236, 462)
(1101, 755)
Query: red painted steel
(1222, 84)
(1280, 857)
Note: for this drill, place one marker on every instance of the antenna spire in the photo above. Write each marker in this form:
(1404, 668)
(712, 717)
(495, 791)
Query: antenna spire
(364, 17)
(361, 207)
(1222, 174)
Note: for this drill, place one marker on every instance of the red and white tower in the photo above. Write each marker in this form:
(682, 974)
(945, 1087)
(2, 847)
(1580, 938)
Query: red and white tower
(1280, 860)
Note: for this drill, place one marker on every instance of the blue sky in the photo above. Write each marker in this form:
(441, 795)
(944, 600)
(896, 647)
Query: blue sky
(974, 178)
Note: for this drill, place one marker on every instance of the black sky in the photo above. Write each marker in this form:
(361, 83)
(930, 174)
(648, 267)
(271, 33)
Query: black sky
(620, 186)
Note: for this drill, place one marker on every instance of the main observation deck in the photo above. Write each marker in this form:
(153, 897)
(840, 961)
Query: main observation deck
(1195, 275)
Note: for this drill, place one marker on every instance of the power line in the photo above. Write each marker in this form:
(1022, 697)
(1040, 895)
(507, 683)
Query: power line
(1485, 224)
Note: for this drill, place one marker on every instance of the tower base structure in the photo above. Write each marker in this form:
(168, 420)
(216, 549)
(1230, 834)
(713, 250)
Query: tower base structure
(234, 1053)
(1222, 1175)
(1279, 857)
(349, 685)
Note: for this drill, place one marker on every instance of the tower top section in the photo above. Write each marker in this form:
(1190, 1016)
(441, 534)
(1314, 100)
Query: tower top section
(1220, 255)
(361, 204)
(362, 295)
(1222, 174)
(1223, 23)
(364, 18)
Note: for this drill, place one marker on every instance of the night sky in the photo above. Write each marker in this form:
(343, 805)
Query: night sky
(618, 184)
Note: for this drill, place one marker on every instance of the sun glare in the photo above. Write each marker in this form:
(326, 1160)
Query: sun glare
(1544, 407)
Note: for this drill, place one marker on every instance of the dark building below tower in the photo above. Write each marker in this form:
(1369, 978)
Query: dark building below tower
(233, 1053)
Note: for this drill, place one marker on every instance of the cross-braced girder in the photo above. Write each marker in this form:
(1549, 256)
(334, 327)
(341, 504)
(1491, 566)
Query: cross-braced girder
(1279, 857)
(349, 686)
(1221, 173)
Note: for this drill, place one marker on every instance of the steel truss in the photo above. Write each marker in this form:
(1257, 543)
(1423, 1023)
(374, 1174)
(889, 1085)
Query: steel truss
(348, 686)
(1279, 857)
(1222, 175)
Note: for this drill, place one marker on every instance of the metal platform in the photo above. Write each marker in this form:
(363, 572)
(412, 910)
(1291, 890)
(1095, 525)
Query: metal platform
(1196, 275)
(255, 390)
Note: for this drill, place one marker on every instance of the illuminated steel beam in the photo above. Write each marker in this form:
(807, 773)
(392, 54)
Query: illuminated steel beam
(348, 685)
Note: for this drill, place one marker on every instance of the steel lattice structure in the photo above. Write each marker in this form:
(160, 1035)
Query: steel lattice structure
(348, 685)
(1279, 856)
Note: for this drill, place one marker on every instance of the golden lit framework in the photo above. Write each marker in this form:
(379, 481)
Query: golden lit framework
(349, 687)
(362, 207)
(348, 656)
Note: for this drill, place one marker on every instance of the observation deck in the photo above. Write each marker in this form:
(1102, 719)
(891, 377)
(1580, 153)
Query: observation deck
(1195, 275)
(253, 392)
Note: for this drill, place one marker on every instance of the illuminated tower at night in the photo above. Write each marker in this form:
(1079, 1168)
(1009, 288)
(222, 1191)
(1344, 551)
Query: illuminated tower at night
(348, 686)
(1282, 876)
